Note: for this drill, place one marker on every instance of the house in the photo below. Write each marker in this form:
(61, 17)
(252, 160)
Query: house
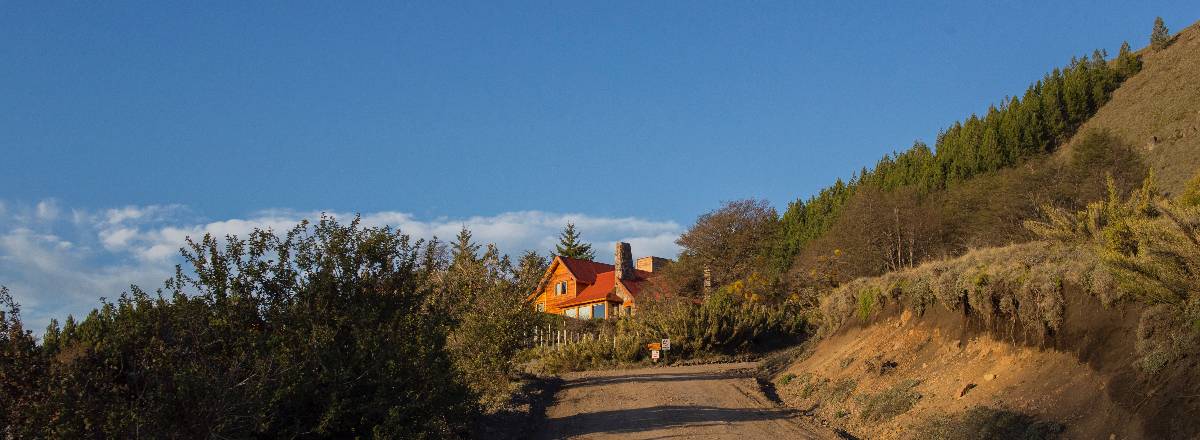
(590, 290)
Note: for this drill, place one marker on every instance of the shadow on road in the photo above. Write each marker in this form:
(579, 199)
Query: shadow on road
(658, 417)
(640, 378)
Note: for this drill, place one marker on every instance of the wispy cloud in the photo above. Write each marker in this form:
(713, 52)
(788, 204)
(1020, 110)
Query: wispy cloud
(47, 210)
(56, 264)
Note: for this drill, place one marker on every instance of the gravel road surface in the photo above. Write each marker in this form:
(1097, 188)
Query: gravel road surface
(701, 401)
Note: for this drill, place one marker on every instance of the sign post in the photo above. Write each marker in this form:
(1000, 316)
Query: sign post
(666, 344)
(654, 348)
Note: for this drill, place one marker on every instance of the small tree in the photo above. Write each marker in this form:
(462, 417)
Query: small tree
(732, 241)
(571, 246)
(529, 270)
(1160, 37)
(492, 327)
(1191, 193)
(1127, 63)
(464, 251)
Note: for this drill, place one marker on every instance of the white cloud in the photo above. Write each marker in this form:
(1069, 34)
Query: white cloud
(117, 239)
(47, 210)
(58, 267)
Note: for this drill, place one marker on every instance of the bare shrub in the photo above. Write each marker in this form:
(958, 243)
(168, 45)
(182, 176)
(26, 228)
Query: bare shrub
(982, 422)
(891, 402)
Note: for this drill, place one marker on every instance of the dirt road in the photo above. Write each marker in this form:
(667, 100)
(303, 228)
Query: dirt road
(702, 401)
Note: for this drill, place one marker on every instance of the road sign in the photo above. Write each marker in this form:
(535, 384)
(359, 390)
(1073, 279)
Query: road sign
(653, 346)
(654, 354)
(666, 344)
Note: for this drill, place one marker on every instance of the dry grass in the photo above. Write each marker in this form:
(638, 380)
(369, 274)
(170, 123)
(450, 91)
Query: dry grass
(985, 422)
(1020, 284)
(891, 402)
(1158, 110)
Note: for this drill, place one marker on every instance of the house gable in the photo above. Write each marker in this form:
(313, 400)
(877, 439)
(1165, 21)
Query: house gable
(574, 286)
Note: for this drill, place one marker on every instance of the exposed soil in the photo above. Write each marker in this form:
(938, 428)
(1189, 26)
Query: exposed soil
(697, 401)
(1079, 383)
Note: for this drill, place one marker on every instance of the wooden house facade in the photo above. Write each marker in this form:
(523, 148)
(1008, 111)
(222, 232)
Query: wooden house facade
(591, 290)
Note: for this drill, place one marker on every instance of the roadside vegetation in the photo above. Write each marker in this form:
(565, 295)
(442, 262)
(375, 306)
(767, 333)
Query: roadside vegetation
(326, 331)
(1141, 247)
(721, 326)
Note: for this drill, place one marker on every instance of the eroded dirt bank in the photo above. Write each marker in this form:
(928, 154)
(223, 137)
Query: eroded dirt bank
(902, 377)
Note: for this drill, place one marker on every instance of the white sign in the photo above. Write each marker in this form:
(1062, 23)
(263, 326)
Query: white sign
(666, 344)
(654, 354)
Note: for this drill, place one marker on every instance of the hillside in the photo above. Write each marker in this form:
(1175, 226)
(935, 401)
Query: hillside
(1158, 110)
(1041, 339)
(1040, 343)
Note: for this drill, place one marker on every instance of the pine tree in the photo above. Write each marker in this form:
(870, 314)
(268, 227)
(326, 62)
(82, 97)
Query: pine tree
(464, 251)
(1160, 37)
(529, 270)
(1054, 109)
(570, 246)
(1102, 79)
(1191, 193)
(1127, 63)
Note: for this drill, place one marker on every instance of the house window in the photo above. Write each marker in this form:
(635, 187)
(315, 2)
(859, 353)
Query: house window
(598, 311)
(570, 312)
(560, 288)
(585, 312)
(541, 307)
(628, 311)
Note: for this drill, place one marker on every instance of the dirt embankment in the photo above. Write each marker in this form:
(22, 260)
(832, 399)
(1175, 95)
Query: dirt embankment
(698, 401)
(948, 375)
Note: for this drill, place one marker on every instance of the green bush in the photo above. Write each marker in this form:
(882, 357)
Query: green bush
(867, 299)
(786, 379)
(327, 331)
(588, 354)
(722, 324)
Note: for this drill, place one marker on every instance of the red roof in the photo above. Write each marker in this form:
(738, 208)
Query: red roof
(585, 271)
(602, 285)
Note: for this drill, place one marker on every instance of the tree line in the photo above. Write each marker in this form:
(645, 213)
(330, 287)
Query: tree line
(1048, 113)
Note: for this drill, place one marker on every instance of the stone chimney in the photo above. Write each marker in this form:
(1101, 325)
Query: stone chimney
(623, 262)
(707, 280)
(651, 264)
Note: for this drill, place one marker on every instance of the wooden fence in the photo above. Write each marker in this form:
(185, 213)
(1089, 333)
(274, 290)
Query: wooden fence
(554, 336)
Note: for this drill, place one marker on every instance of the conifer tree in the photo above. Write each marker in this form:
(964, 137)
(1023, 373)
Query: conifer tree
(570, 245)
(1191, 193)
(529, 270)
(1127, 63)
(464, 251)
(1160, 37)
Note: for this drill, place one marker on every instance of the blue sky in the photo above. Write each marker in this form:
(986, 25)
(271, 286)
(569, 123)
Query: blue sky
(630, 117)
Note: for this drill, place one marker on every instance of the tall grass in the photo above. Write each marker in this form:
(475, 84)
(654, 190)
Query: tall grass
(1021, 285)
